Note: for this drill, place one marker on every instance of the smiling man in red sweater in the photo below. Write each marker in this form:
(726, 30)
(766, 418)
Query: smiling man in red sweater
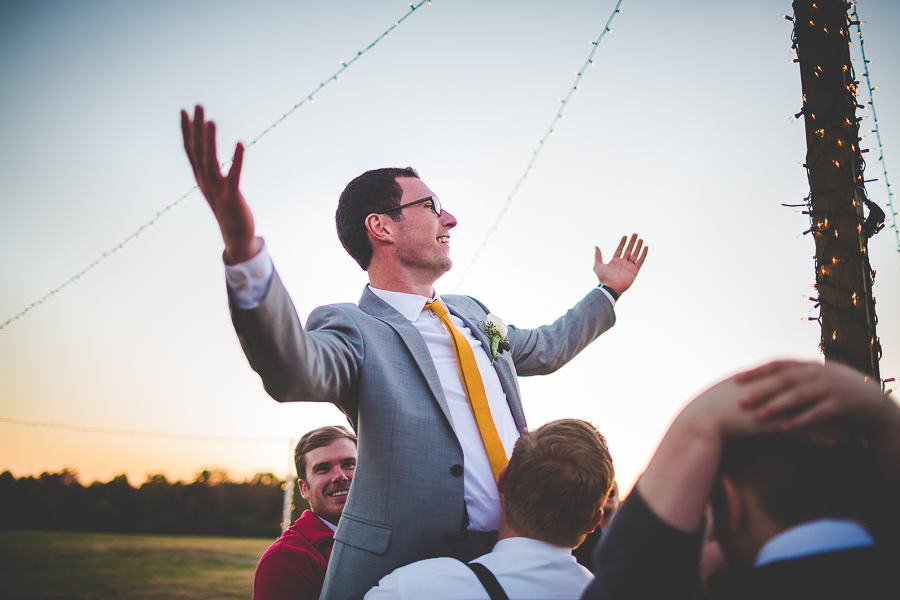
(294, 566)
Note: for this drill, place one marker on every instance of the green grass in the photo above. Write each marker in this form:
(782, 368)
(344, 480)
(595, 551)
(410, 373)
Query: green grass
(94, 565)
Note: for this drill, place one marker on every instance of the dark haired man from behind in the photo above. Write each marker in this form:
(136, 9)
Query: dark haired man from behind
(554, 488)
(293, 568)
(797, 497)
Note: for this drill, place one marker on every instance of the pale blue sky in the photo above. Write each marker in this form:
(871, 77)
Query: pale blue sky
(679, 131)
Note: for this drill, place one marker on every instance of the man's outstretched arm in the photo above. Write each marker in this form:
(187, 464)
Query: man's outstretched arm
(293, 364)
(545, 349)
(222, 193)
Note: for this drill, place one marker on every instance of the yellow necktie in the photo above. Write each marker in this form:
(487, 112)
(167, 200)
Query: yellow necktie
(471, 380)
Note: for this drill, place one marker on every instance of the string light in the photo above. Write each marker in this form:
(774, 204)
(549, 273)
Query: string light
(876, 131)
(542, 141)
(146, 434)
(160, 213)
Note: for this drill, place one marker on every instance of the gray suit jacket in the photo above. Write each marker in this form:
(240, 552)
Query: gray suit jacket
(406, 501)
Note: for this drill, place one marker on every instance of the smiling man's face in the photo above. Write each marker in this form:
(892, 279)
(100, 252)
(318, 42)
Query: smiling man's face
(329, 471)
(423, 239)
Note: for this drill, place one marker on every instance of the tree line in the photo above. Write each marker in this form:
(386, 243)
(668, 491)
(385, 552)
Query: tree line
(211, 504)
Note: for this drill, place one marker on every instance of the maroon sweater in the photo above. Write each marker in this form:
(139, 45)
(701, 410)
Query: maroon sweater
(294, 566)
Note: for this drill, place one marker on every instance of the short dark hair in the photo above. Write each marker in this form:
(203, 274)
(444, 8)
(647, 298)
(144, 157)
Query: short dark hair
(373, 191)
(557, 480)
(318, 438)
(795, 480)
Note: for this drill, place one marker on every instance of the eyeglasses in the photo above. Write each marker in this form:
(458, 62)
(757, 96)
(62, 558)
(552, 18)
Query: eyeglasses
(435, 206)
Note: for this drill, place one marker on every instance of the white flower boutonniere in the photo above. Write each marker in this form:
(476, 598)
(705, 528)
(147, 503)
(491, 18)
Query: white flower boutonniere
(497, 330)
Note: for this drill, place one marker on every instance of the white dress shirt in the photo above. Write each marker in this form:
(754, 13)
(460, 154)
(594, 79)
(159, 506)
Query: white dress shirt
(526, 569)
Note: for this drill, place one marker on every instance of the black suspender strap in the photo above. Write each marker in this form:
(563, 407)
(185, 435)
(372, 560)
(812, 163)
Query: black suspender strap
(489, 581)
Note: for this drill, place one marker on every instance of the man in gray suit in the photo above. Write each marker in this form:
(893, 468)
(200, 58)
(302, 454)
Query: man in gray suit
(425, 482)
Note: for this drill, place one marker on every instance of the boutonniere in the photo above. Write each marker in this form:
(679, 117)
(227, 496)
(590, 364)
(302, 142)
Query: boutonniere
(494, 327)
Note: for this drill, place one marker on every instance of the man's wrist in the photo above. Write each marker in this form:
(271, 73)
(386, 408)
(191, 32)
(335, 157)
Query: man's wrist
(609, 289)
(242, 252)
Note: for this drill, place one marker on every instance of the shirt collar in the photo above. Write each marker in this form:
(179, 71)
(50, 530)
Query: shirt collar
(526, 544)
(815, 537)
(330, 526)
(408, 305)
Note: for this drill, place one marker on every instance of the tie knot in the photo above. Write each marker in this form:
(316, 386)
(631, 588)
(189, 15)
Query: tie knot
(437, 307)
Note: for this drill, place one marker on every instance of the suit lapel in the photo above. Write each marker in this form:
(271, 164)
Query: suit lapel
(375, 307)
(502, 365)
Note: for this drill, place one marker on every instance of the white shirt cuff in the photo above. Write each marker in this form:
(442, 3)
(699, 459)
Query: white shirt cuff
(605, 293)
(249, 281)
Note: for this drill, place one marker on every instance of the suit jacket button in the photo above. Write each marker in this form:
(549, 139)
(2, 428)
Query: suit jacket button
(449, 539)
(456, 470)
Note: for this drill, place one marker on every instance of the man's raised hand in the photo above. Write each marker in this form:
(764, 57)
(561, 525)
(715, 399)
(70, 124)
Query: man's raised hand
(221, 192)
(620, 272)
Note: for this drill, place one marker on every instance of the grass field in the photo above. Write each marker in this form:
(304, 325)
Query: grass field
(93, 566)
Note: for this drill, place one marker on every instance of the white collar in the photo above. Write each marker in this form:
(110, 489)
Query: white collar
(330, 525)
(526, 544)
(814, 537)
(408, 305)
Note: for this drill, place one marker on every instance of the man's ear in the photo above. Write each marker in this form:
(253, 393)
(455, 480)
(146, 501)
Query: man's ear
(735, 502)
(596, 521)
(501, 480)
(304, 489)
(380, 227)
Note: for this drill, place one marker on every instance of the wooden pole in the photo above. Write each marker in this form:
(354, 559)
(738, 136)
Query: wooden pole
(837, 198)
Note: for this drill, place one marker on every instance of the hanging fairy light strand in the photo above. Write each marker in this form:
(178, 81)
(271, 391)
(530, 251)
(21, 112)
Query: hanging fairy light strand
(146, 434)
(536, 152)
(136, 235)
(336, 76)
(871, 103)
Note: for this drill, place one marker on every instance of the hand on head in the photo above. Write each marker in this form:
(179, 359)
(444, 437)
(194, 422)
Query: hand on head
(221, 192)
(799, 395)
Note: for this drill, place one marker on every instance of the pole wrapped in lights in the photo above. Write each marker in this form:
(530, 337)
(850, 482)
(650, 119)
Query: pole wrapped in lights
(837, 199)
(540, 143)
(136, 235)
